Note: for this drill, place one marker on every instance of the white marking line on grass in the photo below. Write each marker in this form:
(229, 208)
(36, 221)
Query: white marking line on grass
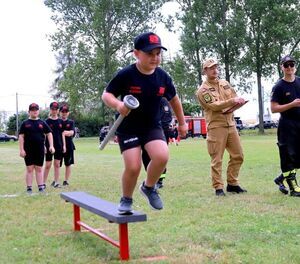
(23, 194)
(155, 258)
(10, 195)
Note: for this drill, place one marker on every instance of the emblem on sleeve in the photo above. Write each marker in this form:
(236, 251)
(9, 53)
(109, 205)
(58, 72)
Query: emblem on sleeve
(207, 98)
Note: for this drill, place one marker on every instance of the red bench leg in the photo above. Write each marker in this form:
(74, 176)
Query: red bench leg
(76, 210)
(124, 243)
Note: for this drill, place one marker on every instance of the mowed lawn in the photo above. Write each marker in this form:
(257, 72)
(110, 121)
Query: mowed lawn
(262, 226)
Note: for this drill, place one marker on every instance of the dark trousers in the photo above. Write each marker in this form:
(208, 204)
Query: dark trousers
(288, 135)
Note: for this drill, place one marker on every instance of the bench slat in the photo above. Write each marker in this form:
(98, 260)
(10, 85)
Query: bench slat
(101, 207)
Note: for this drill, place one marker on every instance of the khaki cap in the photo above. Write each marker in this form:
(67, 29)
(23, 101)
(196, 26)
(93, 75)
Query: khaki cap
(209, 63)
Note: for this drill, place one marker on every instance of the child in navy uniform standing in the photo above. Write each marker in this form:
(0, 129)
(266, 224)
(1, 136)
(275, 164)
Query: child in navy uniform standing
(32, 146)
(56, 126)
(68, 133)
(142, 127)
(166, 123)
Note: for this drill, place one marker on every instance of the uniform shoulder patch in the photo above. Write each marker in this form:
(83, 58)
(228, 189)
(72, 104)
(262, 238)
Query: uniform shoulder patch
(207, 98)
(223, 82)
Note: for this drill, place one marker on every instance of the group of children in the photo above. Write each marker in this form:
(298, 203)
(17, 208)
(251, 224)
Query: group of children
(47, 140)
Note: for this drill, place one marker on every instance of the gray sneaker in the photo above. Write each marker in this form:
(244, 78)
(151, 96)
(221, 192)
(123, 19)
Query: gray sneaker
(29, 190)
(125, 206)
(153, 198)
(56, 185)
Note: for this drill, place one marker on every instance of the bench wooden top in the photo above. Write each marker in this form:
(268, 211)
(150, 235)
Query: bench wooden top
(102, 207)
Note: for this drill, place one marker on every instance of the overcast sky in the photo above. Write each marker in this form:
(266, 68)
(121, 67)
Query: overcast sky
(27, 61)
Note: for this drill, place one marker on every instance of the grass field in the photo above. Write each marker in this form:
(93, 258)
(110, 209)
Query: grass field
(262, 226)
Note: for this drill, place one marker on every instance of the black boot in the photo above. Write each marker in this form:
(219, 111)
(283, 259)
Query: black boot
(235, 189)
(292, 182)
(279, 181)
(159, 183)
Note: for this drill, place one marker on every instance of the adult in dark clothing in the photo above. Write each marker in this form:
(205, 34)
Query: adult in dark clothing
(32, 146)
(166, 121)
(285, 99)
(68, 133)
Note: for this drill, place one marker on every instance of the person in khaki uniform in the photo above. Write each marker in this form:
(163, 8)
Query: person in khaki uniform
(219, 100)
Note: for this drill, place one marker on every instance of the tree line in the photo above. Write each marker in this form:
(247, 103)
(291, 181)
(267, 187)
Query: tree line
(248, 37)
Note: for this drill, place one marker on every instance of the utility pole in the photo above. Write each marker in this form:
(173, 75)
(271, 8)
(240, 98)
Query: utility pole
(17, 115)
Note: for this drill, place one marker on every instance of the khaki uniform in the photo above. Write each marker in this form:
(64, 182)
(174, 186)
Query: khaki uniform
(216, 98)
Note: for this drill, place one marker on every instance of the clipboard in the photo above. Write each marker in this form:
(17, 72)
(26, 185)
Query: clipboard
(235, 107)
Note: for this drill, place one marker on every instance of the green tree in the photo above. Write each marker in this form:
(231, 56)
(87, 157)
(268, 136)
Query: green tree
(212, 28)
(191, 109)
(92, 38)
(11, 124)
(269, 34)
(183, 78)
(3, 120)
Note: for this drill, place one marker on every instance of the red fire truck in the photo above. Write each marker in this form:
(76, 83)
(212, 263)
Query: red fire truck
(196, 126)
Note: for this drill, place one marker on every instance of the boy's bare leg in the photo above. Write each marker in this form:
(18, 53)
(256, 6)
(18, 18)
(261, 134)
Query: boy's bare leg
(133, 164)
(39, 175)
(46, 170)
(29, 175)
(56, 170)
(159, 154)
(67, 173)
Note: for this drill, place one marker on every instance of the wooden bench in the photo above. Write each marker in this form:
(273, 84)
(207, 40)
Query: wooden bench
(107, 210)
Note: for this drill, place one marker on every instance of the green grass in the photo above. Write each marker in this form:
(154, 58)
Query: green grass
(262, 226)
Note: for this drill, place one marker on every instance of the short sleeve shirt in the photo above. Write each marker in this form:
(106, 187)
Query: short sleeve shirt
(69, 125)
(285, 92)
(57, 129)
(34, 133)
(166, 113)
(149, 90)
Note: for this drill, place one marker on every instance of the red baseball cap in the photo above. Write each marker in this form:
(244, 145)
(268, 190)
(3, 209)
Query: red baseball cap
(33, 107)
(54, 105)
(64, 108)
(147, 42)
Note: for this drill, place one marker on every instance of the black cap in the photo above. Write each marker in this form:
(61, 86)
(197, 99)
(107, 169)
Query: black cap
(33, 107)
(54, 105)
(286, 59)
(64, 108)
(147, 42)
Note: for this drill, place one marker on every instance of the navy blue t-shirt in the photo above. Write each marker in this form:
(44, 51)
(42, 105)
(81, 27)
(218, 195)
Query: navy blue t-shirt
(34, 133)
(57, 129)
(166, 113)
(69, 125)
(149, 90)
(285, 92)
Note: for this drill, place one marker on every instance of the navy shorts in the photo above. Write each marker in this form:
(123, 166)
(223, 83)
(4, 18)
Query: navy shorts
(57, 155)
(68, 158)
(128, 141)
(34, 158)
